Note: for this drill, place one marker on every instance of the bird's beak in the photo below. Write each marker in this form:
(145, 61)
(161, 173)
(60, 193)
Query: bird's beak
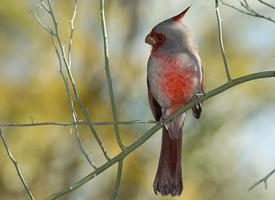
(150, 40)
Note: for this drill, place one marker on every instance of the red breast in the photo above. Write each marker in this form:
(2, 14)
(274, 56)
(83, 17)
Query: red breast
(177, 79)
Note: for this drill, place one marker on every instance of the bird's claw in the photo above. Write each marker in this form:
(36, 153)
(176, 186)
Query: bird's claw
(196, 99)
(162, 122)
(197, 108)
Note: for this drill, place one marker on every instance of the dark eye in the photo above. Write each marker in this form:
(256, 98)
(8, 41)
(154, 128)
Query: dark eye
(160, 37)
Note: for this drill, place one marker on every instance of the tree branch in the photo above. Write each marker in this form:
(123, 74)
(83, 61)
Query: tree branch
(19, 173)
(70, 98)
(64, 124)
(118, 180)
(108, 74)
(129, 149)
(74, 117)
(67, 64)
(221, 40)
(263, 180)
(267, 4)
(248, 10)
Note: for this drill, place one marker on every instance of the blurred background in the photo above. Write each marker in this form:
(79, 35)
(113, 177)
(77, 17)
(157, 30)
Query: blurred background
(224, 153)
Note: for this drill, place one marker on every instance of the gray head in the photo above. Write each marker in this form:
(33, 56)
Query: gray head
(171, 36)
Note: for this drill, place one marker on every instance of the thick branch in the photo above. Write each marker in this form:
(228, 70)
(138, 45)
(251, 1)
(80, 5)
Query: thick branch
(154, 129)
(64, 124)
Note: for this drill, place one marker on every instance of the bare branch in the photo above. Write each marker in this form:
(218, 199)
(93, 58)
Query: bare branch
(71, 35)
(45, 6)
(248, 10)
(75, 120)
(263, 180)
(19, 173)
(267, 4)
(46, 28)
(129, 149)
(221, 41)
(74, 114)
(83, 109)
(235, 8)
(67, 64)
(118, 180)
(108, 74)
(64, 124)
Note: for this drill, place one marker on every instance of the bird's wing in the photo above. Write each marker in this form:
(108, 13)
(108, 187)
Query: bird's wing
(155, 107)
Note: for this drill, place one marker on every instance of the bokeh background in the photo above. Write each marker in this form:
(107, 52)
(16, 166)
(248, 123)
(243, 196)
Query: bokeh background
(224, 153)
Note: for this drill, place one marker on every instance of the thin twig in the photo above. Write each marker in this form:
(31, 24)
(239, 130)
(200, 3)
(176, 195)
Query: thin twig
(16, 166)
(108, 74)
(221, 41)
(118, 180)
(71, 35)
(70, 98)
(263, 180)
(246, 6)
(235, 8)
(74, 116)
(46, 28)
(64, 124)
(68, 69)
(154, 129)
(45, 6)
(75, 120)
(267, 4)
(248, 10)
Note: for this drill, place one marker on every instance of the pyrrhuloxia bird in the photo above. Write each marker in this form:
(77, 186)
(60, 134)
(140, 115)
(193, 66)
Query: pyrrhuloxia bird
(174, 78)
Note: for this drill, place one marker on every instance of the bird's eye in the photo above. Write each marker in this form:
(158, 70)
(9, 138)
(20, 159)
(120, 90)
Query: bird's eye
(160, 37)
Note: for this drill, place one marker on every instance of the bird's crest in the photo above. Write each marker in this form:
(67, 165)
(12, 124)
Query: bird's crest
(181, 15)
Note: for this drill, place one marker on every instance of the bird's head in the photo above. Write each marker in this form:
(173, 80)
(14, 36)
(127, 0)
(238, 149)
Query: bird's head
(170, 35)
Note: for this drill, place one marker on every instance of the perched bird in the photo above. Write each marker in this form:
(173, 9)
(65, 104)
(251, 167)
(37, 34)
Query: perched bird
(174, 79)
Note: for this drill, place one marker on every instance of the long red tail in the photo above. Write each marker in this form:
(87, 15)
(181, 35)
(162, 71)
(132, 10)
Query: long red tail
(168, 179)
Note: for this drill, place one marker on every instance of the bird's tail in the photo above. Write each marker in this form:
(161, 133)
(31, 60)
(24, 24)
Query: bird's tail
(168, 179)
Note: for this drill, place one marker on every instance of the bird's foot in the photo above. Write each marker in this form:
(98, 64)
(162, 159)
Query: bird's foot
(162, 121)
(197, 108)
